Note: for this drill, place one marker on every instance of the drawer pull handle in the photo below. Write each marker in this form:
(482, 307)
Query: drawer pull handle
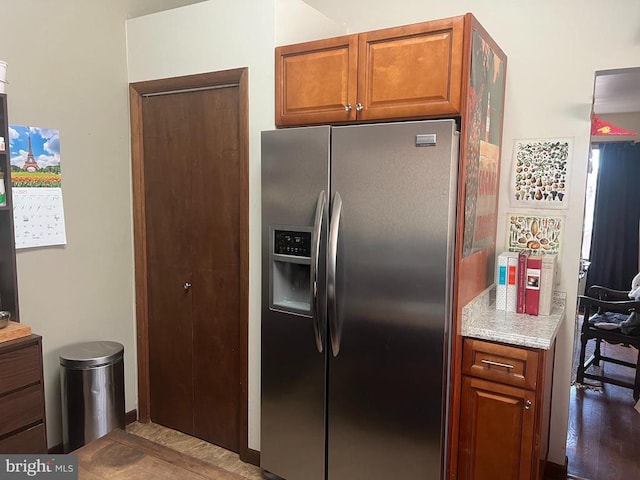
(497, 364)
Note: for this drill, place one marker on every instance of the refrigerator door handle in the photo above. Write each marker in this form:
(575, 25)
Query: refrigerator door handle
(332, 302)
(317, 233)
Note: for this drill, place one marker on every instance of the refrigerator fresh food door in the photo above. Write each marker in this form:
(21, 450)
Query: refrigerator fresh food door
(389, 294)
(295, 188)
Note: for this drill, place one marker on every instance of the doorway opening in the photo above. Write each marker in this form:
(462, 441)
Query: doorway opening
(602, 416)
(589, 202)
(587, 224)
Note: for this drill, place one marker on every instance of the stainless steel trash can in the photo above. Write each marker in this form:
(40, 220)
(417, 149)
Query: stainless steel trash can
(92, 389)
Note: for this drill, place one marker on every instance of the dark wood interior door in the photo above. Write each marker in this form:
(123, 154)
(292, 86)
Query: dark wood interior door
(168, 265)
(192, 201)
(215, 253)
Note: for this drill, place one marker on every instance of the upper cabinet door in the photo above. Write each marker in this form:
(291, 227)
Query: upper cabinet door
(316, 81)
(410, 71)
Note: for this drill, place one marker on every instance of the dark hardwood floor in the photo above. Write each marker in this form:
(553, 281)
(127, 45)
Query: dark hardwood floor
(124, 456)
(603, 438)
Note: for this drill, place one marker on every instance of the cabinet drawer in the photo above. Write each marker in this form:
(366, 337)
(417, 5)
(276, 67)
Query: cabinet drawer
(500, 363)
(21, 408)
(19, 368)
(30, 441)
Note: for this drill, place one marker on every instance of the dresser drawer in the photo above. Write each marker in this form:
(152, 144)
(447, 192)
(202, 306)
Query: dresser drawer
(19, 368)
(500, 363)
(30, 441)
(21, 408)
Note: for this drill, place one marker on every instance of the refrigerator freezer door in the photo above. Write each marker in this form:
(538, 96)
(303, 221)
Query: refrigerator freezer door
(393, 276)
(295, 170)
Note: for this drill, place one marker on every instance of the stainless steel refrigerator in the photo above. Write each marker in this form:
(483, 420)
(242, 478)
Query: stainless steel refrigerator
(358, 227)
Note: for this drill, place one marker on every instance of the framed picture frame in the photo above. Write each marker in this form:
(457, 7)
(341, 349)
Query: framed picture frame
(535, 234)
(540, 173)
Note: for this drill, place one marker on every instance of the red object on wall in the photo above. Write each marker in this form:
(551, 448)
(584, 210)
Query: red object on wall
(601, 127)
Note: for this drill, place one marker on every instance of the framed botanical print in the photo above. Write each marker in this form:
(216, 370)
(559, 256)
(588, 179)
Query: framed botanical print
(540, 173)
(534, 234)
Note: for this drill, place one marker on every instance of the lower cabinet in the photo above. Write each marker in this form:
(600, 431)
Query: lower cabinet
(505, 411)
(22, 418)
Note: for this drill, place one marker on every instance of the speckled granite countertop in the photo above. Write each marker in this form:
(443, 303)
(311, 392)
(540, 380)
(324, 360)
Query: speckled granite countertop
(480, 319)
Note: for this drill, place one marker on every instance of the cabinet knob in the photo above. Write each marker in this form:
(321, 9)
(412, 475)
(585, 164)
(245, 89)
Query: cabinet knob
(527, 404)
(359, 106)
(347, 107)
(187, 285)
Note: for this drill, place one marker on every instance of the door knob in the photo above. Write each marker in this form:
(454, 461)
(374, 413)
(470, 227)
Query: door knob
(347, 107)
(359, 106)
(527, 404)
(187, 285)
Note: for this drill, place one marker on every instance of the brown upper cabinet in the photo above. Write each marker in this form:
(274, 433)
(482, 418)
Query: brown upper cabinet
(316, 81)
(402, 72)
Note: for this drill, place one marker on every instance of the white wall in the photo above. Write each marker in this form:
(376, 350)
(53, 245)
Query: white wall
(137, 8)
(67, 71)
(298, 22)
(219, 35)
(553, 49)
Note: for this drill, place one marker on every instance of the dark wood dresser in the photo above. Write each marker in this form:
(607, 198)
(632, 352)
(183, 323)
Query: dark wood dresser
(22, 411)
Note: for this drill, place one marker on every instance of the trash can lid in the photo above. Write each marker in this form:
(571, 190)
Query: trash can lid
(91, 354)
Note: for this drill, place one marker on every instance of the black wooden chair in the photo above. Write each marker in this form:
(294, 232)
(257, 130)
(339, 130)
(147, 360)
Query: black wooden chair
(609, 316)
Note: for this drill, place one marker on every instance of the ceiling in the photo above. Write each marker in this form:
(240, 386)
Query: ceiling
(617, 91)
(138, 8)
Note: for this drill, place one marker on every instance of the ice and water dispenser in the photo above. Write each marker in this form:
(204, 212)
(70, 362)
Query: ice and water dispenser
(290, 263)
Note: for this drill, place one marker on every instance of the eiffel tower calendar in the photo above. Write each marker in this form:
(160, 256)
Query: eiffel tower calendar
(36, 178)
(38, 217)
